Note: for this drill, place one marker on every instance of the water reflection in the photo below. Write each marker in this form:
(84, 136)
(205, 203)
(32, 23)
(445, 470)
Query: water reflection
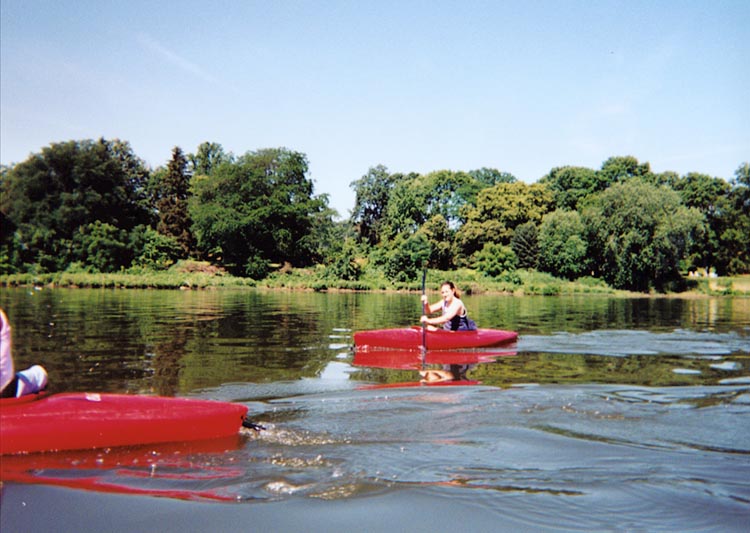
(178, 342)
(432, 367)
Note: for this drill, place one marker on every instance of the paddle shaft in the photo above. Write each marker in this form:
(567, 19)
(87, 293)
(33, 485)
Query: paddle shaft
(424, 326)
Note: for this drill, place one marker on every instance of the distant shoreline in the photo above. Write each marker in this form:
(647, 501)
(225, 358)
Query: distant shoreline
(531, 284)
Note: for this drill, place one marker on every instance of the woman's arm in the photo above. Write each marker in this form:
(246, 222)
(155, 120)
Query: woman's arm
(6, 359)
(431, 308)
(453, 309)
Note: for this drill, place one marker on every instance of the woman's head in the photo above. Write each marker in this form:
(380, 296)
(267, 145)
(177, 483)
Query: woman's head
(448, 290)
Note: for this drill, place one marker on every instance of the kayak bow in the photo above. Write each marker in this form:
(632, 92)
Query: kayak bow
(74, 421)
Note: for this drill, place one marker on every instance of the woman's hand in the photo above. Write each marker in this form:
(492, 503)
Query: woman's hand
(424, 320)
(424, 299)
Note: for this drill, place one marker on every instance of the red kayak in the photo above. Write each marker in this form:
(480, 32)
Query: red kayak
(412, 360)
(411, 338)
(75, 421)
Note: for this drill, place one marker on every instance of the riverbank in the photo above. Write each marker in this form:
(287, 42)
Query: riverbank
(194, 275)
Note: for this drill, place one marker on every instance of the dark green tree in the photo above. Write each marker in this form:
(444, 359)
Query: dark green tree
(622, 168)
(709, 196)
(102, 247)
(207, 157)
(328, 237)
(637, 234)
(373, 191)
(733, 228)
(571, 185)
(153, 250)
(65, 187)
(407, 208)
(344, 264)
(495, 259)
(173, 193)
(407, 257)
(562, 245)
(258, 211)
(440, 237)
(525, 244)
(415, 199)
(489, 177)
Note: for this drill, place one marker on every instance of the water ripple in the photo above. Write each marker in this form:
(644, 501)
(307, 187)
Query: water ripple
(637, 342)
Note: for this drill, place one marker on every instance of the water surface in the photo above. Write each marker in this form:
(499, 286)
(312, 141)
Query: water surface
(611, 414)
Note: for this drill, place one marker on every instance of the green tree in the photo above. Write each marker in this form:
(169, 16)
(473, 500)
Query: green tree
(562, 245)
(373, 191)
(525, 244)
(154, 250)
(571, 185)
(415, 199)
(622, 168)
(257, 211)
(172, 202)
(407, 207)
(637, 234)
(101, 247)
(447, 193)
(68, 186)
(344, 264)
(207, 157)
(709, 196)
(495, 259)
(489, 177)
(480, 179)
(328, 237)
(440, 237)
(733, 227)
(407, 257)
(499, 211)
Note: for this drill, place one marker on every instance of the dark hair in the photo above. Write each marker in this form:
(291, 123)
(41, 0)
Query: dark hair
(453, 288)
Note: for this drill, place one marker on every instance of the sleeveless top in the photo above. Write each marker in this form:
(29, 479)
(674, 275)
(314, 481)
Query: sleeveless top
(459, 322)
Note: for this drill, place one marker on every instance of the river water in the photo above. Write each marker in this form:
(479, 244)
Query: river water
(608, 414)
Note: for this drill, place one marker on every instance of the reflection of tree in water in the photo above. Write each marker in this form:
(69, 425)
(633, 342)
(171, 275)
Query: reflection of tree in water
(167, 357)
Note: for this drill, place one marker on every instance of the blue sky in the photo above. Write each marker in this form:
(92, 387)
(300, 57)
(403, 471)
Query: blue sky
(521, 86)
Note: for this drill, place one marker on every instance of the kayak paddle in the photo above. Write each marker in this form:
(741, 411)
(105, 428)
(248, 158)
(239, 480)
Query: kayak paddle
(424, 326)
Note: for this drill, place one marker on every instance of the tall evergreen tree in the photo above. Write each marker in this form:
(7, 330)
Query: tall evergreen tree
(525, 244)
(172, 202)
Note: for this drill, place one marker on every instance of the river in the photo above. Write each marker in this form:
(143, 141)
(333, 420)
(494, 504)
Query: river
(608, 414)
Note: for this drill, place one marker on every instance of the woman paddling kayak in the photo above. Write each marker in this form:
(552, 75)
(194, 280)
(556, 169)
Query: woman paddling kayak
(454, 316)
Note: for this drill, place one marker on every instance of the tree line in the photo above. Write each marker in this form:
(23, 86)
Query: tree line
(94, 205)
(635, 229)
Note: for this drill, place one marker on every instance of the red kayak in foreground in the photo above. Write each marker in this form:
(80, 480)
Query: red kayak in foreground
(75, 421)
(411, 338)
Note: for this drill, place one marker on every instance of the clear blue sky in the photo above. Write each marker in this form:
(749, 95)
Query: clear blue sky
(521, 86)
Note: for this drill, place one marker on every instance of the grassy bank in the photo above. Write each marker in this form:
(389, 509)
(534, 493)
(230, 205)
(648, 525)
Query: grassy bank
(170, 279)
(194, 275)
